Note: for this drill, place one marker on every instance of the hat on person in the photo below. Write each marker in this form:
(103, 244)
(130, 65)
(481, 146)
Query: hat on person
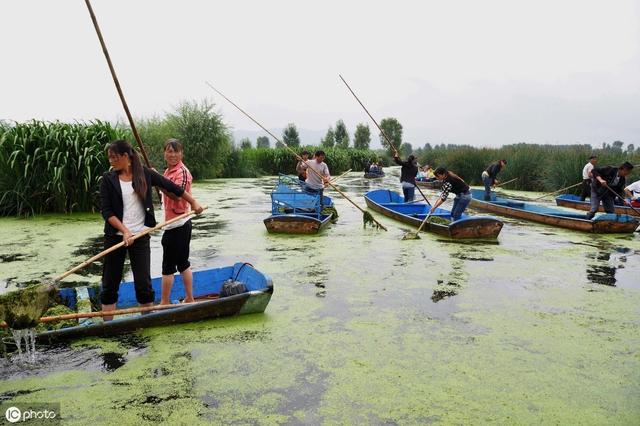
(626, 165)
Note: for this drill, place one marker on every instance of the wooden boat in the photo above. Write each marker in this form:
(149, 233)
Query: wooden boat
(574, 202)
(294, 211)
(432, 184)
(391, 204)
(601, 224)
(373, 175)
(207, 285)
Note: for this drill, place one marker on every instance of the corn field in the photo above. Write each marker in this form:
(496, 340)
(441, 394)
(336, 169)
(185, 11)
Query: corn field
(52, 167)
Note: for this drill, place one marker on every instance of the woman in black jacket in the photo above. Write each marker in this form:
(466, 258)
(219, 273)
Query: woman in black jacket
(127, 208)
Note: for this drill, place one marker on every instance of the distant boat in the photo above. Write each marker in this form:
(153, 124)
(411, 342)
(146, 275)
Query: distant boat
(574, 202)
(601, 224)
(294, 211)
(391, 204)
(431, 184)
(254, 296)
(373, 175)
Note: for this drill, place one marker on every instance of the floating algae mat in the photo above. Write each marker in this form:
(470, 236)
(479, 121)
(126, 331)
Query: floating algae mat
(23, 308)
(439, 220)
(522, 331)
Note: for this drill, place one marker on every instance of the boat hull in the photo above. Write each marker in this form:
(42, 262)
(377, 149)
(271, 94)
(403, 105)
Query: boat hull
(206, 282)
(413, 214)
(296, 224)
(561, 219)
(573, 201)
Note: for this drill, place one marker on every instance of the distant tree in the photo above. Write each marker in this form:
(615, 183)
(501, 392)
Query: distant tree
(630, 148)
(279, 144)
(427, 147)
(405, 149)
(329, 139)
(263, 142)
(362, 137)
(245, 143)
(617, 145)
(341, 135)
(393, 129)
(290, 135)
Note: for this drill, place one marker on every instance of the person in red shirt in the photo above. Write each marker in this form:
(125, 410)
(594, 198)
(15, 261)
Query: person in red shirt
(177, 236)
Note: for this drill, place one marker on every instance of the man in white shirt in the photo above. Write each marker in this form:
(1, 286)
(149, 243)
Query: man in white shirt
(315, 181)
(586, 177)
(632, 193)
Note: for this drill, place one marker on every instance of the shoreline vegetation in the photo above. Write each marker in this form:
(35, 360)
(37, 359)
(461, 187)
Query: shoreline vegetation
(55, 167)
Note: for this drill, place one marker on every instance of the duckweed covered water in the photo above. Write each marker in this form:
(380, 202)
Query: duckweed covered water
(542, 327)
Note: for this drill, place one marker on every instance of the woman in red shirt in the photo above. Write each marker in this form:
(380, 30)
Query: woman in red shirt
(177, 236)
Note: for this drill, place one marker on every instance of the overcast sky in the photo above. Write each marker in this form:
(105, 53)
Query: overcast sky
(474, 72)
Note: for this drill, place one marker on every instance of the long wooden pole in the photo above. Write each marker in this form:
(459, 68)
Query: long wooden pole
(295, 154)
(379, 128)
(117, 246)
(335, 179)
(109, 313)
(504, 183)
(559, 190)
(117, 83)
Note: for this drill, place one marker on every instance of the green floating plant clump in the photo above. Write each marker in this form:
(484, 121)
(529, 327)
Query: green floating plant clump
(367, 220)
(23, 308)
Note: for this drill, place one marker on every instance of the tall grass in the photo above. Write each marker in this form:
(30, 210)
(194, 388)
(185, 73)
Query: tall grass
(52, 167)
(537, 167)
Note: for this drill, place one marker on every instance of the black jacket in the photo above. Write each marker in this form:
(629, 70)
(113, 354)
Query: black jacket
(608, 173)
(111, 197)
(408, 171)
(494, 169)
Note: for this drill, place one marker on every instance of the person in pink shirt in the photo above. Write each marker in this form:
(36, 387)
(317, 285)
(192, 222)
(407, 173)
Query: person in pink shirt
(177, 236)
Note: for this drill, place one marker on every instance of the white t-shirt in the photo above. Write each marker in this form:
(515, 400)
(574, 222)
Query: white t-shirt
(313, 181)
(133, 212)
(634, 188)
(586, 170)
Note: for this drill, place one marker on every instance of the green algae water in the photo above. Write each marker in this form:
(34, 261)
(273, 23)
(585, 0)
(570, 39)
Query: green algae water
(540, 327)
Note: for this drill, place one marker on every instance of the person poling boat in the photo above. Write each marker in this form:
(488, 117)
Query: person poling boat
(408, 172)
(177, 236)
(127, 208)
(605, 182)
(586, 177)
(452, 183)
(315, 182)
(301, 167)
(489, 177)
(632, 193)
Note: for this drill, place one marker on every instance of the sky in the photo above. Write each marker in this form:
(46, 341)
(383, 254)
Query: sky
(484, 73)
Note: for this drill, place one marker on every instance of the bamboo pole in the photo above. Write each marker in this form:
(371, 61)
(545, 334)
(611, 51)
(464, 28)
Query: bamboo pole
(117, 246)
(322, 178)
(134, 130)
(559, 190)
(125, 311)
(335, 179)
(379, 128)
(504, 183)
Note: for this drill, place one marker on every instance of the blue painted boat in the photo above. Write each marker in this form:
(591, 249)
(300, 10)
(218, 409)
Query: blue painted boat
(391, 204)
(574, 202)
(207, 286)
(294, 211)
(601, 224)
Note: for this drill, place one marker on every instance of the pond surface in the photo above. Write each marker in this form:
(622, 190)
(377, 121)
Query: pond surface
(541, 327)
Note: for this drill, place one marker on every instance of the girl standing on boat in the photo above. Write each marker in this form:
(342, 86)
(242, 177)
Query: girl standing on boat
(177, 236)
(127, 208)
(452, 183)
(408, 172)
